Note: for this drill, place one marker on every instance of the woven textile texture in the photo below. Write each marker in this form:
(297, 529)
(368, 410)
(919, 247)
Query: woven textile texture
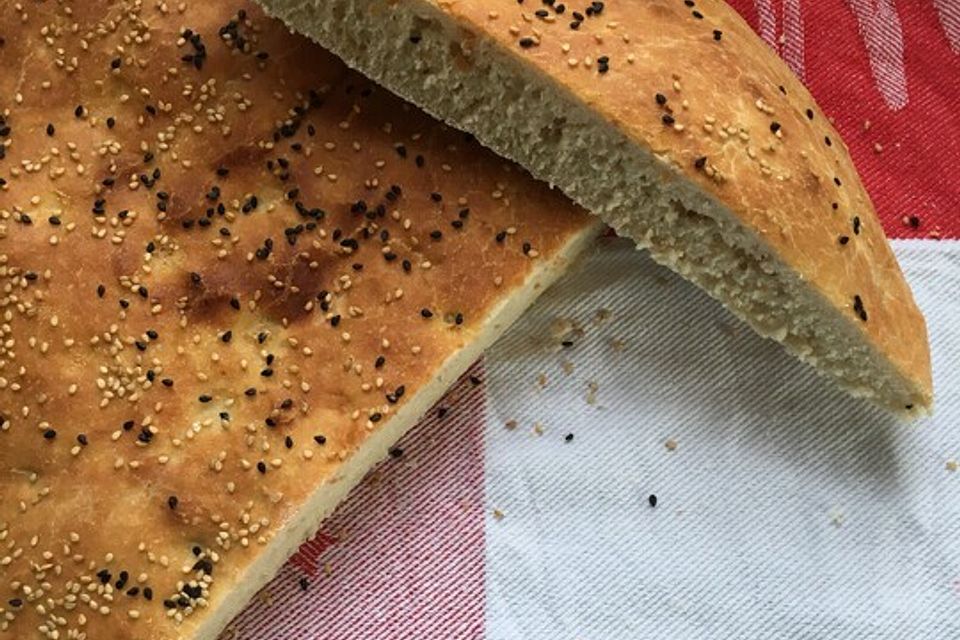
(786, 510)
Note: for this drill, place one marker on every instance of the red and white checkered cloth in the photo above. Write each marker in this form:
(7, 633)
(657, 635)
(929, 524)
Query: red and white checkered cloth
(786, 511)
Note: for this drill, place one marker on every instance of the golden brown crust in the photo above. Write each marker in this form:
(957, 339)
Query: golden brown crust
(224, 257)
(692, 82)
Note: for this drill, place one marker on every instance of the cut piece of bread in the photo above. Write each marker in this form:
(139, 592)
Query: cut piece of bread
(235, 272)
(677, 125)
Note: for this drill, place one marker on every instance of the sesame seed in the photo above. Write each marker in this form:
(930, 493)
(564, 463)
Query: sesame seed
(858, 308)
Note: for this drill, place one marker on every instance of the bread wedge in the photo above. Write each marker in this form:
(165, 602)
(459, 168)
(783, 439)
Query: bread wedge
(234, 274)
(677, 125)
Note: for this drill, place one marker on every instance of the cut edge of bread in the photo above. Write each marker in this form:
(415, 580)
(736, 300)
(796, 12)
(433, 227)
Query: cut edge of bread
(562, 142)
(325, 499)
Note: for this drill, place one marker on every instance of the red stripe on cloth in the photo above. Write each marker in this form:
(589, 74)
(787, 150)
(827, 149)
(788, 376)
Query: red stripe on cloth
(306, 557)
(403, 557)
(895, 65)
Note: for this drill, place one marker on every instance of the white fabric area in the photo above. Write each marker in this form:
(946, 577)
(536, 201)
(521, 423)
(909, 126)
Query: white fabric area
(787, 510)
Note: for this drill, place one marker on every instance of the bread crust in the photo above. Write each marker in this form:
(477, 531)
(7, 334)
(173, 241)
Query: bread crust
(229, 263)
